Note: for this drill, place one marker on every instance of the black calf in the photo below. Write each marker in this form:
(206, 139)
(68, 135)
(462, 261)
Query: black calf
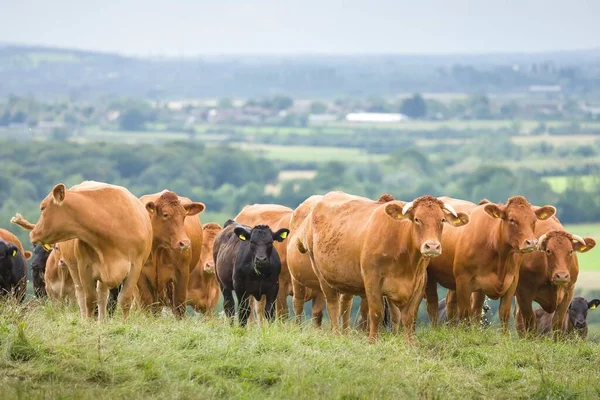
(13, 271)
(38, 270)
(246, 262)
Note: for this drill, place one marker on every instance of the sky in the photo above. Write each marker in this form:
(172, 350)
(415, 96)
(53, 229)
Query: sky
(202, 27)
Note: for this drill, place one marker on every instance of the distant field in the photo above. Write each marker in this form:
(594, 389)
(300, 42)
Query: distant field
(578, 139)
(309, 153)
(589, 261)
(560, 183)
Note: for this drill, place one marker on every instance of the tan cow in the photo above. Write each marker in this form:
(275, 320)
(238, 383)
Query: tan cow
(305, 282)
(548, 276)
(484, 256)
(114, 239)
(59, 284)
(363, 247)
(176, 247)
(276, 217)
(203, 288)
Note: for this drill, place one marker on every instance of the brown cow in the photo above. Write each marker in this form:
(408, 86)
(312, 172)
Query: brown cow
(59, 284)
(363, 247)
(176, 247)
(548, 276)
(484, 256)
(276, 217)
(203, 288)
(305, 282)
(114, 239)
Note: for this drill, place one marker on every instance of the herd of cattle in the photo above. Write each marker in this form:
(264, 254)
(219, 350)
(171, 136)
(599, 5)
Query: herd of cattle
(99, 245)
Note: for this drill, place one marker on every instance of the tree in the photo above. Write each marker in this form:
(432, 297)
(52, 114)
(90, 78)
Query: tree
(132, 119)
(414, 107)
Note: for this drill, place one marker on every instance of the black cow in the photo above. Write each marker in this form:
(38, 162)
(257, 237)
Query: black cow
(247, 263)
(38, 270)
(13, 271)
(576, 321)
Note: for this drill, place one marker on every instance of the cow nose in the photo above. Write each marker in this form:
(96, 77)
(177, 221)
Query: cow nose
(184, 244)
(261, 258)
(209, 266)
(561, 277)
(531, 243)
(580, 324)
(431, 248)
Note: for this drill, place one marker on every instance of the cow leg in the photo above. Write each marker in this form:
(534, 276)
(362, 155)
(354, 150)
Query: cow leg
(298, 299)
(130, 286)
(259, 309)
(318, 304)
(79, 293)
(410, 310)
(395, 317)
(102, 291)
(477, 300)
(89, 288)
(145, 298)
(505, 304)
(180, 295)
(432, 300)
(332, 304)
(243, 307)
(345, 308)
(283, 311)
(560, 315)
(463, 301)
(270, 305)
(113, 296)
(228, 303)
(525, 322)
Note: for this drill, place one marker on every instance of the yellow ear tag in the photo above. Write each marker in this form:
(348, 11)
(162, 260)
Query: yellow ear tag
(242, 237)
(283, 235)
(47, 247)
(14, 253)
(593, 307)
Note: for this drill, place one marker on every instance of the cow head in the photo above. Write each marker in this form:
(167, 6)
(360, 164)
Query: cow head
(168, 215)
(8, 250)
(38, 266)
(517, 219)
(559, 248)
(54, 213)
(261, 239)
(578, 310)
(209, 232)
(427, 216)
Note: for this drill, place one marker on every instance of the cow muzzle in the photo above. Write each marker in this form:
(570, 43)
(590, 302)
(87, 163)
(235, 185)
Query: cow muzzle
(184, 245)
(209, 267)
(431, 248)
(529, 245)
(561, 278)
(580, 324)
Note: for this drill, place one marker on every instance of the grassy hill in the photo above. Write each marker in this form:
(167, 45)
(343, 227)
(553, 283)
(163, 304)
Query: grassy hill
(48, 352)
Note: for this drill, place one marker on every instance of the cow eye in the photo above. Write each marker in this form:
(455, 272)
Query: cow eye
(42, 209)
(443, 220)
(417, 220)
(512, 221)
(571, 252)
(165, 215)
(548, 251)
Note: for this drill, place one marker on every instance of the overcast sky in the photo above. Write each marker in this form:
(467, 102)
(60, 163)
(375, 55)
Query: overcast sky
(187, 27)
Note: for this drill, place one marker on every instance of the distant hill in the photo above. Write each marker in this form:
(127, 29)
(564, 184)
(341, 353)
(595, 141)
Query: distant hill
(52, 72)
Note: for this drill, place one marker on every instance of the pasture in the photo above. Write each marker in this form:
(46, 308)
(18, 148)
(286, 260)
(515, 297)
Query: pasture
(48, 352)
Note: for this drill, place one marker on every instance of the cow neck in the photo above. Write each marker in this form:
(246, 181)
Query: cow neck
(415, 257)
(505, 266)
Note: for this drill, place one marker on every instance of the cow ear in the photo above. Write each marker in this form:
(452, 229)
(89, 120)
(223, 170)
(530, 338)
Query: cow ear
(494, 211)
(13, 251)
(58, 193)
(579, 247)
(281, 234)
(242, 233)
(460, 220)
(593, 304)
(394, 210)
(151, 207)
(545, 212)
(194, 208)
(27, 255)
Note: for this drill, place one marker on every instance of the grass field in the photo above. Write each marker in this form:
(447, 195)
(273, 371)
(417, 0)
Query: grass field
(309, 153)
(48, 352)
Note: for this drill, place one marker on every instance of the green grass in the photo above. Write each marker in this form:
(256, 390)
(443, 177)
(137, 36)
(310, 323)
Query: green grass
(589, 261)
(560, 183)
(48, 352)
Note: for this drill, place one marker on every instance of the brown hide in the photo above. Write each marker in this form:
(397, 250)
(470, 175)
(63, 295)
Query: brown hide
(114, 239)
(276, 217)
(59, 284)
(203, 288)
(176, 249)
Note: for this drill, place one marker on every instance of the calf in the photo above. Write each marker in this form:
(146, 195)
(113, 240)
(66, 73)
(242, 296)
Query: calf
(203, 288)
(13, 271)
(58, 281)
(247, 263)
(38, 269)
(576, 322)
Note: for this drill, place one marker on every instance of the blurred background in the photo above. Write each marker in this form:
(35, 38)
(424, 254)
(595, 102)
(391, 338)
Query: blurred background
(235, 102)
